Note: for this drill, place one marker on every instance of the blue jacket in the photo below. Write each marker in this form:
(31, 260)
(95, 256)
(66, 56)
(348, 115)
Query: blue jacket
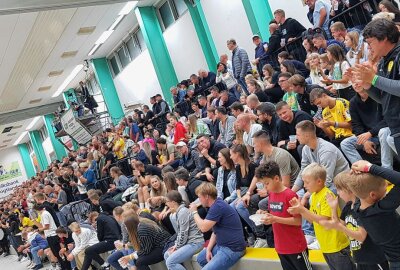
(122, 184)
(231, 185)
(39, 241)
(262, 55)
(240, 63)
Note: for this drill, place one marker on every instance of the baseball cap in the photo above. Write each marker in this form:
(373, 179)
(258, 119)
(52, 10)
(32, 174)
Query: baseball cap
(180, 144)
(255, 36)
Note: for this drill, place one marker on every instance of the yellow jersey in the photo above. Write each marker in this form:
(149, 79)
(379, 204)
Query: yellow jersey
(330, 241)
(339, 113)
(120, 144)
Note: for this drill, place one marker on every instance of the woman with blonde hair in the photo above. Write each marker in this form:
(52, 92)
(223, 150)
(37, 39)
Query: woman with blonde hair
(196, 126)
(358, 53)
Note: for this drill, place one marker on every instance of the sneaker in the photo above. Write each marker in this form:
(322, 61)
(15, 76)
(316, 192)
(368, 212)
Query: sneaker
(24, 259)
(251, 240)
(260, 243)
(310, 239)
(20, 258)
(314, 245)
(6, 254)
(31, 266)
(58, 267)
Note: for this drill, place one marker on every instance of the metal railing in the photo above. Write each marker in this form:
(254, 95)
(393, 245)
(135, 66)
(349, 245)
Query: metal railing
(357, 15)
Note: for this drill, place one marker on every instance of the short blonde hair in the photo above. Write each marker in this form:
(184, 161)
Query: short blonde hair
(341, 181)
(74, 226)
(207, 189)
(365, 183)
(316, 171)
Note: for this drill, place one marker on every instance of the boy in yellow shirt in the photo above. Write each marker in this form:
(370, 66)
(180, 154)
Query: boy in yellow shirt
(334, 244)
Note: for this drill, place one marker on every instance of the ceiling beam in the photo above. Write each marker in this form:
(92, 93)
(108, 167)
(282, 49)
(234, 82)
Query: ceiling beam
(16, 116)
(24, 6)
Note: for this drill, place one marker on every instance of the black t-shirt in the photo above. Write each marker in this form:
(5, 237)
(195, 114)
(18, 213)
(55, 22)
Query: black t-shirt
(152, 170)
(110, 156)
(363, 253)
(287, 129)
(225, 189)
(291, 29)
(245, 181)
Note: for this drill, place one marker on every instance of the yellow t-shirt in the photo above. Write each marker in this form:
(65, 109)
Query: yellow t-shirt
(120, 144)
(330, 241)
(339, 113)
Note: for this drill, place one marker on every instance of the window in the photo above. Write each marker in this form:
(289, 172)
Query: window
(166, 15)
(30, 147)
(123, 56)
(140, 38)
(114, 65)
(180, 6)
(133, 47)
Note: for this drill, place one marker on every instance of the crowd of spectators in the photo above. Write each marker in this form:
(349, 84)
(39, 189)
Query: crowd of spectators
(254, 155)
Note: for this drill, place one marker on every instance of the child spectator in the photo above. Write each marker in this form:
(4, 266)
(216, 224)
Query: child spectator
(366, 253)
(334, 244)
(377, 211)
(290, 243)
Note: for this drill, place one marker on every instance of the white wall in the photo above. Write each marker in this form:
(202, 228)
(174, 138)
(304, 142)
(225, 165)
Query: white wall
(293, 9)
(138, 81)
(227, 19)
(48, 149)
(8, 156)
(184, 47)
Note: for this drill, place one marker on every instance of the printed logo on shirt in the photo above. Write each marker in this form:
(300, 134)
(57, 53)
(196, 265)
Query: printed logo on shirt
(276, 206)
(390, 66)
(351, 224)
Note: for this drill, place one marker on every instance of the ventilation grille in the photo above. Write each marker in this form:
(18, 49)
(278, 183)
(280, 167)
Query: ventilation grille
(7, 129)
(69, 54)
(34, 101)
(7, 141)
(12, 134)
(44, 88)
(55, 73)
(3, 146)
(86, 30)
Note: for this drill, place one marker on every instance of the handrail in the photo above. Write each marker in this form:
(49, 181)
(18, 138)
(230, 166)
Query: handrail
(348, 10)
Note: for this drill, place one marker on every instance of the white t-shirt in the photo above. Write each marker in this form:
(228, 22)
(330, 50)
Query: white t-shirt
(248, 137)
(46, 218)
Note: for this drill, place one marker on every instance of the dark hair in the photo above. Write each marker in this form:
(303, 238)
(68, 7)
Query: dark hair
(337, 53)
(226, 154)
(289, 67)
(161, 141)
(222, 110)
(61, 230)
(203, 135)
(267, 170)
(182, 174)
(174, 196)
(241, 149)
(317, 93)
(285, 75)
(280, 105)
(170, 180)
(284, 54)
(390, 6)
(146, 107)
(381, 29)
(267, 108)
(255, 84)
(319, 36)
(262, 134)
(225, 67)
(237, 106)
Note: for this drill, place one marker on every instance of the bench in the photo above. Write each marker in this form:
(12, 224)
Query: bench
(256, 258)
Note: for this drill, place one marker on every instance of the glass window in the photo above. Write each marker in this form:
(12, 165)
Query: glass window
(180, 6)
(123, 55)
(140, 38)
(133, 48)
(114, 65)
(166, 15)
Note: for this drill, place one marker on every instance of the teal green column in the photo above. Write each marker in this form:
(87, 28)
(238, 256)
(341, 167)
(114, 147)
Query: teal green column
(37, 144)
(107, 87)
(69, 95)
(204, 34)
(26, 160)
(151, 30)
(259, 15)
(58, 147)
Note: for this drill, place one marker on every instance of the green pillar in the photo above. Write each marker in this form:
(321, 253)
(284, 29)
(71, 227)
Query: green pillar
(204, 34)
(69, 95)
(58, 147)
(107, 87)
(151, 30)
(259, 15)
(37, 144)
(26, 160)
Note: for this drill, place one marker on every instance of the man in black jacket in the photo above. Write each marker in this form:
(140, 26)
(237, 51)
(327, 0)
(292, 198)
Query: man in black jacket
(303, 91)
(269, 121)
(369, 130)
(382, 37)
(108, 231)
(209, 149)
(191, 159)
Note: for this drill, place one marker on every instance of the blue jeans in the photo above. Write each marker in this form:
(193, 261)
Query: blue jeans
(185, 253)
(242, 83)
(394, 265)
(243, 213)
(306, 226)
(223, 258)
(349, 148)
(116, 255)
(35, 256)
(387, 153)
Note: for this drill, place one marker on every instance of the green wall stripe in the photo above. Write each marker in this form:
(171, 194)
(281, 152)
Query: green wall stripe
(106, 82)
(204, 34)
(151, 30)
(26, 160)
(37, 144)
(58, 147)
(259, 15)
